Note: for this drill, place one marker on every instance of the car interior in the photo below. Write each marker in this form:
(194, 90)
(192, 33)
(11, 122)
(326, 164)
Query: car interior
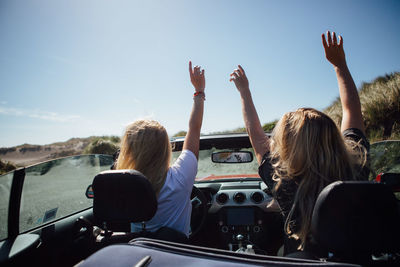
(235, 221)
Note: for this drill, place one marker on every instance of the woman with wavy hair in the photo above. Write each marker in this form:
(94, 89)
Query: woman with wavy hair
(146, 148)
(306, 151)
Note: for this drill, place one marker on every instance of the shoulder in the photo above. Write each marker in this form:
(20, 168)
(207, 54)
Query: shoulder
(184, 169)
(359, 144)
(265, 170)
(186, 157)
(356, 135)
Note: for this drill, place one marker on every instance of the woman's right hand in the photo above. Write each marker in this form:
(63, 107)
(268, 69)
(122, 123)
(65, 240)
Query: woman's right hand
(334, 52)
(238, 76)
(197, 78)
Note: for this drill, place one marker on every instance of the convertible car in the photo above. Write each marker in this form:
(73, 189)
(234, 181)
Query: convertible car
(52, 214)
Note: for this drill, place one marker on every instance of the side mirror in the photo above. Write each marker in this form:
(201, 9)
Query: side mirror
(89, 192)
(232, 157)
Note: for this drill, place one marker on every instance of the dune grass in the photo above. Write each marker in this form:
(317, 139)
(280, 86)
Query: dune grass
(380, 104)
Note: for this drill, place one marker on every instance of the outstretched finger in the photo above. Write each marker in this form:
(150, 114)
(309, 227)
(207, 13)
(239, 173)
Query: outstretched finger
(241, 70)
(340, 40)
(190, 69)
(334, 38)
(196, 70)
(324, 41)
(238, 73)
(234, 75)
(202, 73)
(328, 36)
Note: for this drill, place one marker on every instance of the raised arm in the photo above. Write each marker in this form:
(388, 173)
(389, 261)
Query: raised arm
(351, 106)
(192, 139)
(258, 139)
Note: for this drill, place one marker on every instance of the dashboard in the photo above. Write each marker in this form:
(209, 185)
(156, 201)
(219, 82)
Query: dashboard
(240, 213)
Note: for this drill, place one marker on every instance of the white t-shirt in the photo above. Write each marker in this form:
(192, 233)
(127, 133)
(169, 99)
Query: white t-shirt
(174, 205)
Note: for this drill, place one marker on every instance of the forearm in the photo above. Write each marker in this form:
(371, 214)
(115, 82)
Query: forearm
(192, 140)
(258, 139)
(351, 106)
(196, 117)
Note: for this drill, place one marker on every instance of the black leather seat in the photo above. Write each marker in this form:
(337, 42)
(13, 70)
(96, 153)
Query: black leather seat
(352, 221)
(124, 197)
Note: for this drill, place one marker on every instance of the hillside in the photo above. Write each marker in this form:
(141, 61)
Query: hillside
(380, 104)
(26, 154)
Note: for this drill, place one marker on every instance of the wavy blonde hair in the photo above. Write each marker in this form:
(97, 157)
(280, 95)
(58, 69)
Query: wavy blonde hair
(146, 147)
(308, 147)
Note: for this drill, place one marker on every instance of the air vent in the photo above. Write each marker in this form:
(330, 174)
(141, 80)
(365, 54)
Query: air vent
(257, 197)
(222, 198)
(239, 197)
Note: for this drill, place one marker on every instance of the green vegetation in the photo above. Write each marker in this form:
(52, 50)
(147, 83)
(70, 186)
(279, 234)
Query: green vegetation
(236, 130)
(380, 102)
(180, 133)
(268, 127)
(103, 145)
(6, 167)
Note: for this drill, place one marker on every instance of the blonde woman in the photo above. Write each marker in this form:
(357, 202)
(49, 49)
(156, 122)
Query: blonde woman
(307, 151)
(146, 147)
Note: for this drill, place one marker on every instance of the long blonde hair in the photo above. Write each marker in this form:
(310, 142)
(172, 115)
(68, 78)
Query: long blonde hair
(308, 147)
(146, 147)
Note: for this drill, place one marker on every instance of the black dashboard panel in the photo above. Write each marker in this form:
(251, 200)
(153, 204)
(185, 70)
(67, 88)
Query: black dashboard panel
(234, 222)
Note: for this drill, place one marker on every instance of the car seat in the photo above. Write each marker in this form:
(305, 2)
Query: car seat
(357, 222)
(124, 197)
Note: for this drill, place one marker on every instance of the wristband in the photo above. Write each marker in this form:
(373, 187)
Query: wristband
(197, 93)
(201, 94)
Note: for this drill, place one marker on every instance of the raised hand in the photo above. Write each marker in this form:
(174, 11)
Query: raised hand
(351, 107)
(258, 139)
(238, 76)
(197, 77)
(334, 50)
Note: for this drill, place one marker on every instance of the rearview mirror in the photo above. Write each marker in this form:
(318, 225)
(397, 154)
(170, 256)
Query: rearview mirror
(232, 157)
(89, 192)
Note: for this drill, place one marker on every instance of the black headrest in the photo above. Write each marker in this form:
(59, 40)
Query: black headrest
(356, 217)
(123, 196)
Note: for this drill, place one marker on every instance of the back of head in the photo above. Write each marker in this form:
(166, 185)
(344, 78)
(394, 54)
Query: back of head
(307, 146)
(145, 147)
(307, 142)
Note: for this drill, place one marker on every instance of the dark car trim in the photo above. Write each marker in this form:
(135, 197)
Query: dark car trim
(15, 203)
(220, 141)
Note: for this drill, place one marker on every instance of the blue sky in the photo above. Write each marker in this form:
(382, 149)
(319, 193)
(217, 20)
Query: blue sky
(81, 68)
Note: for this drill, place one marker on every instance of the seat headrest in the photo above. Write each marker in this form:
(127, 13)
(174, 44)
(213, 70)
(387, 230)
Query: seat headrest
(356, 217)
(123, 196)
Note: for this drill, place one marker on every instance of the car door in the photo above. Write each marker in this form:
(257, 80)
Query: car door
(43, 209)
(385, 164)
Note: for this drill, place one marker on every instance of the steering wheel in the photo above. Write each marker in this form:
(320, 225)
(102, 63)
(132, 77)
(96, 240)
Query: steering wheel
(199, 210)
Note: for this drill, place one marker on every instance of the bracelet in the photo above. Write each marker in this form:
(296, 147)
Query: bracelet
(198, 93)
(201, 94)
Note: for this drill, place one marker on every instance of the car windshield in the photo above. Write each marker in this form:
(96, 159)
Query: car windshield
(208, 170)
